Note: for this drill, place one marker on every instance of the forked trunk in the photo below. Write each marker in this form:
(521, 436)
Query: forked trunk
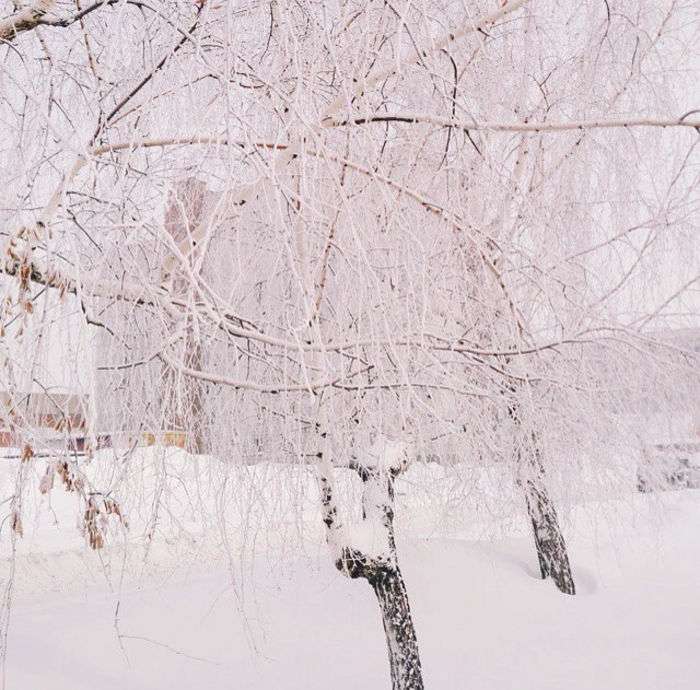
(383, 573)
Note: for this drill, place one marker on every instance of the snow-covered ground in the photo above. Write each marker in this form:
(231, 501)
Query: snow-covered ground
(182, 615)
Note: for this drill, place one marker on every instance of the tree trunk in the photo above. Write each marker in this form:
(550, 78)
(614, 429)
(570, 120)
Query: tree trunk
(404, 659)
(185, 212)
(549, 540)
(383, 573)
(385, 578)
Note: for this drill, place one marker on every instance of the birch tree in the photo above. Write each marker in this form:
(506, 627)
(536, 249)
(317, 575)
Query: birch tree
(429, 231)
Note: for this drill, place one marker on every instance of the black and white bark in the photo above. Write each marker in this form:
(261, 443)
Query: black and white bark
(376, 561)
(551, 548)
(530, 470)
(24, 19)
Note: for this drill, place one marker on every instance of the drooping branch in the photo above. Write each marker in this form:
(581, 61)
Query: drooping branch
(238, 327)
(308, 387)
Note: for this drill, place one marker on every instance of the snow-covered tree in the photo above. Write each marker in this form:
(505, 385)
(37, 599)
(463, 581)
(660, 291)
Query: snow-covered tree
(355, 236)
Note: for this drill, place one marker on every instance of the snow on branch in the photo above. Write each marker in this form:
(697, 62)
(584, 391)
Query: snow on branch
(32, 16)
(469, 26)
(309, 386)
(232, 325)
(536, 127)
(26, 19)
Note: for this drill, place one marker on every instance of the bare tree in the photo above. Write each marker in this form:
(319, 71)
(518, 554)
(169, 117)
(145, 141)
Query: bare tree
(348, 223)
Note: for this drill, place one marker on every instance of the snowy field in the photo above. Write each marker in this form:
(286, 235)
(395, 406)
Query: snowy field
(182, 615)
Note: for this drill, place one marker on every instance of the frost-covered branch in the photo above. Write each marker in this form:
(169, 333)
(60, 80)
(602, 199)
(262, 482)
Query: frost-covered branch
(25, 19)
(364, 85)
(523, 127)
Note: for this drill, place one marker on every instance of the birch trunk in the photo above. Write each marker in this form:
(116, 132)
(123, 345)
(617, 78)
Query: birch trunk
(549, 539)
(550, 544)
(382, 572)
